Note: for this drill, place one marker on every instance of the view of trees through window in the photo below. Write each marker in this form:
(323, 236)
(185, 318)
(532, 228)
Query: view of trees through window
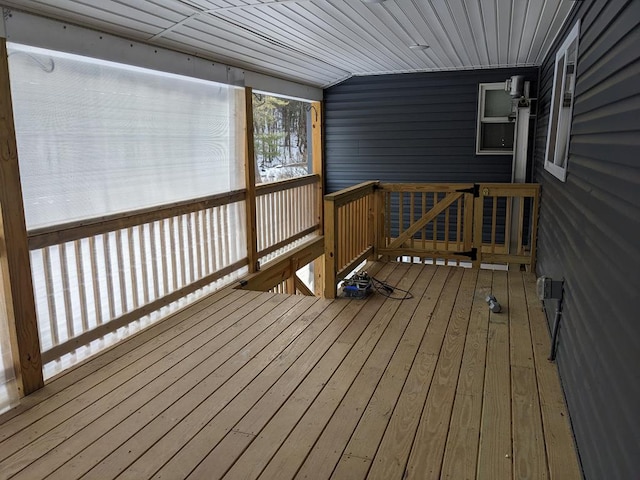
(280, 137)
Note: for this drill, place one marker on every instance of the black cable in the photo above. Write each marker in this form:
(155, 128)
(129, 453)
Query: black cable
(383, 288)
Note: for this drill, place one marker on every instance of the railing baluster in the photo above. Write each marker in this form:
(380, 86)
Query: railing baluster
(95, 280)
(494, 215)
(446, 232)
(154, 259)
(206, 239)
(198, 240)
(123, 289)
(109, 271)
(132, 266)
(173, 253)
(270, 226)
(66, 290)
(183, 252)
(189, 244)
(284, 215)
(51, 299)
(459, 229)
(143, 234)
(520, 225)
(215, 244)
(387, 218)
(225, 237)
(400, 212)
(507, 223)
(350, 234)
(435, 225)
(344, 229)
(424, 229)
(163, 225)
(412, 213)
(81, 284)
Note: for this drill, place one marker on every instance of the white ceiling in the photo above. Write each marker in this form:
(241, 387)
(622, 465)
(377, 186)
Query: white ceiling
(321, 42)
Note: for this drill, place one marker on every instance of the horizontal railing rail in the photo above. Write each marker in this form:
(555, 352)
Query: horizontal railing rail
(67, 232)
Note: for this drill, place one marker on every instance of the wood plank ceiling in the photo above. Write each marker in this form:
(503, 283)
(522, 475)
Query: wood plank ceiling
(322, 42)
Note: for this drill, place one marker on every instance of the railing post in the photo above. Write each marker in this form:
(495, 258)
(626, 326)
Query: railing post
(378, 221)
(478, 214)
(16, 295)
(330, 248)
(371, 220)
(533, 235)
(250, 180)
(318, 169)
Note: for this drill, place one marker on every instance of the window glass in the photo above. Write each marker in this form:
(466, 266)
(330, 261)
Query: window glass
(96, 137)
(497, 103)
(498, 136)
(280, 137)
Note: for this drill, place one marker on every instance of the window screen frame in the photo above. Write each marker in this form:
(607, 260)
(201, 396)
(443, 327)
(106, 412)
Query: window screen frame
(559, 132)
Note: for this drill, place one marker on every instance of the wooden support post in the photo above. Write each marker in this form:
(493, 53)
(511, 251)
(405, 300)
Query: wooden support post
(533, 234)
(291, 283)
(478, 206)
(318, 168)
(250, 180)
(15, 266)
(378, 222)
(330, 249)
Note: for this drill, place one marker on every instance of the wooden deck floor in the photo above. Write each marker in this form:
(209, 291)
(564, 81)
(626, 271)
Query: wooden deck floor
(246, 385)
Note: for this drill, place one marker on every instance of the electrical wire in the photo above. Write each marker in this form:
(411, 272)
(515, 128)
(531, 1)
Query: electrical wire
(386, 290)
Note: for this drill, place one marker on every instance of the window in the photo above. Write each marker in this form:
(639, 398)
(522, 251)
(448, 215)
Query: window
(496, 125)
(563, 93)
(280, 137)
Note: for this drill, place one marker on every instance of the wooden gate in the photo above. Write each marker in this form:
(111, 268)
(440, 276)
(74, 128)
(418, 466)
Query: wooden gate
(427, 221)
(486, 222)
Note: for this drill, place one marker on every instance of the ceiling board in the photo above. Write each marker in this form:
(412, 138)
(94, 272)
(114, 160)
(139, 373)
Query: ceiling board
(321, 42)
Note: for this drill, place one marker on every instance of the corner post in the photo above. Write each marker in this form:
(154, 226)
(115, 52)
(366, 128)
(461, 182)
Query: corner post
(250, 183)
(534, 229)
(318, 169)
(478, 217)
(378, 221)
(16, 295)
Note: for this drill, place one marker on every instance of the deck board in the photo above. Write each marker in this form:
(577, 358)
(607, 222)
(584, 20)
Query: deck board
(260, 385)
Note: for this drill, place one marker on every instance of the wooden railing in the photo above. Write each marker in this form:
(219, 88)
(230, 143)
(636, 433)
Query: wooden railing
(439, 223)
(350, 231)
(95, 276)
(506, 223)
(286, 211)
(422, 220)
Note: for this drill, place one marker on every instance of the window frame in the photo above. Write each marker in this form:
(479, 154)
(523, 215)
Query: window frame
(558, 131)
(482, 93)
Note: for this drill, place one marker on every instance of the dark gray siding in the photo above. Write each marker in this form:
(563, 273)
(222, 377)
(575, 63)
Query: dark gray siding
(418, 127)
(590, 235)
